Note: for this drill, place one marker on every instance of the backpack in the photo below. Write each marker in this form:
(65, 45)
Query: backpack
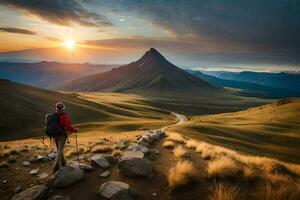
(53, 127)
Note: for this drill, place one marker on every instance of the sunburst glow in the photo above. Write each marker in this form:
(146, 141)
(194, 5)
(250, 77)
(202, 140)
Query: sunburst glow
(69, 43)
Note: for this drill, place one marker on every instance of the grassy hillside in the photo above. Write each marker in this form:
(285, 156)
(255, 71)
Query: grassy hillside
(271, 130)
(23, 110)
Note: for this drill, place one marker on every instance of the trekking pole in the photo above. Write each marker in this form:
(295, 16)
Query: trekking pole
(77, 149)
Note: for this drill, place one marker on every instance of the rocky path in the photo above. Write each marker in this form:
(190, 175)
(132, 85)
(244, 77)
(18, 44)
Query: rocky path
(139, 172)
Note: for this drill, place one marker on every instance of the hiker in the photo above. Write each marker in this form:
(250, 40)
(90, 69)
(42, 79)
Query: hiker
(58, 127)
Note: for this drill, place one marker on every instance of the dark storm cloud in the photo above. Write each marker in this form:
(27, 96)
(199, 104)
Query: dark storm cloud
(17, 30)
(269, 24)
(62, 12)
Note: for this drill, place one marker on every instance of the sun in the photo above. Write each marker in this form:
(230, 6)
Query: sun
(69, 44)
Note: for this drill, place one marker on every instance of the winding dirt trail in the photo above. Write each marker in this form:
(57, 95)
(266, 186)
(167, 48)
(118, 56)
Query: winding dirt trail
(181, 119)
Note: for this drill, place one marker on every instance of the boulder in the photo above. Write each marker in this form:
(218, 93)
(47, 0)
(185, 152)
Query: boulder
(34, 193)
(82, 166)
(65, 177)
(100, 160)
(135, 165)
(114, 190)
(132, 154)
(138, 147)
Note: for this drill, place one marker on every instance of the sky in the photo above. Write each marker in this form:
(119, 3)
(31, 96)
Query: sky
(229, 35)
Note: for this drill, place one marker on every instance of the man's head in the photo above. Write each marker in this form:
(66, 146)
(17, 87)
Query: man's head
(60, 106)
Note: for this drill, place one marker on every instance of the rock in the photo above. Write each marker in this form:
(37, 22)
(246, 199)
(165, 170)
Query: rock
(34, 171)
(100, 160)
(59, 197)
(17, 189)
(110, 158)
(40, 158)
(33, 159)
(83, 166)
(37, 192)
(11, 159)
(138, 147)
(65, 177)
(132, 154)
(114, 190)
(155, 151)
(26, 163)
(105, 174)
(122, 144)
(52, 155)
(154, 194)
(42, 176)
(135, 165)
(4, 181)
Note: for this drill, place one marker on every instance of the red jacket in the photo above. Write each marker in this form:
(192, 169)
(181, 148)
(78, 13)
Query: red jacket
(65, 122)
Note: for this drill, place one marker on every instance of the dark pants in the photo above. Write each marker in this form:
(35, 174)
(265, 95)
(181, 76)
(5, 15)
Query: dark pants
(60, 145)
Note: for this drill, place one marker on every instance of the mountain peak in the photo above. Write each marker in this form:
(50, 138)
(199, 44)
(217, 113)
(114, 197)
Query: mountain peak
(153, 54)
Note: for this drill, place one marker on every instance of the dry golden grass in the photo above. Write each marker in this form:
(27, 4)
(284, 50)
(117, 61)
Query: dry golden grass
(116, 152)
(175, 137)
(179, 152)
(225, 191)
(168, 144)
(180, 174)
(278, 192)
(9, 152)
(73, 151)
(191, 144)
(101, 149)
(224, 167)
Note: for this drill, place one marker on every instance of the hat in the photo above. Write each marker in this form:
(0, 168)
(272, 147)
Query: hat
(60, 106)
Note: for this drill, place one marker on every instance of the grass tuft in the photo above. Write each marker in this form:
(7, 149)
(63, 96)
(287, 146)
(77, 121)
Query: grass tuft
(191, 144)
(179, 152)
(224, 168)
(175, 137)
(101, 149)
(168, 144)
(225, 191)
(180, 174)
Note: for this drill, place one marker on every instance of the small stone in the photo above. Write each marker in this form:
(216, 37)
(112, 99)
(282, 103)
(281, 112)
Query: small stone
(42, 176)
(52, 155)
(82, 166)
(40, 158)
(114, 190)
(11, 159)
(34, 171)
(17, 189)
(154, 194)
(105, 174)
(26, 163)
(59, 197)
(133, 154)
(100, 160)
(4, 181)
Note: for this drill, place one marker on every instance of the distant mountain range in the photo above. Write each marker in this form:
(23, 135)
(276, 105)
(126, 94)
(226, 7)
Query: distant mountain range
(151, 74)
(256, 84)
(47, 74)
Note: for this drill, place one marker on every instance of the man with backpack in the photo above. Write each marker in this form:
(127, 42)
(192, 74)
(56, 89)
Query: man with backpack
(58, 127)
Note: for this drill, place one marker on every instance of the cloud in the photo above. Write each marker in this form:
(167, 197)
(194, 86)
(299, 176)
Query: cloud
(269, 24)
(62, 12)
(17, 30)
